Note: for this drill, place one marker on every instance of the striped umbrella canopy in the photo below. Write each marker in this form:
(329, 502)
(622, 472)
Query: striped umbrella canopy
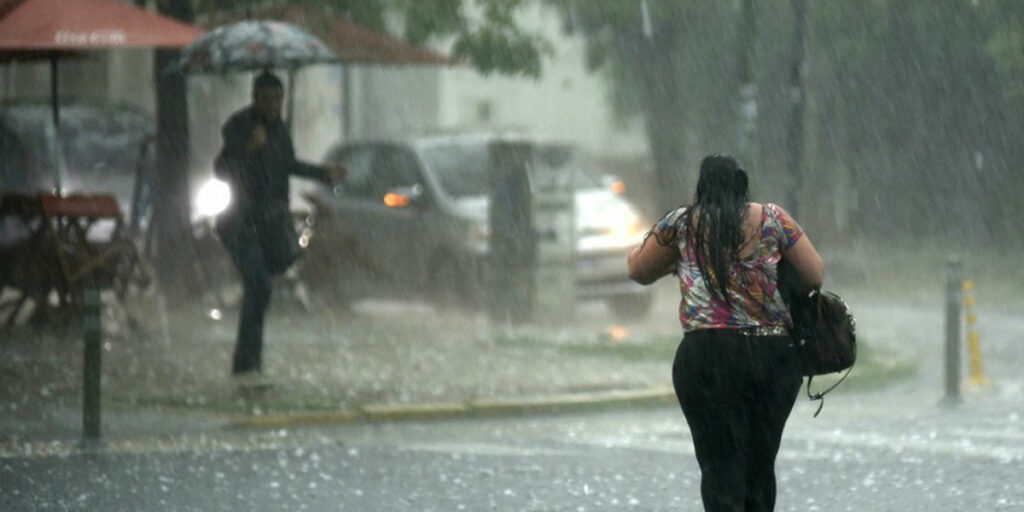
(251, 45)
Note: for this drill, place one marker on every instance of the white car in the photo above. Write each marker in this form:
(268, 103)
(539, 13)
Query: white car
(411, 221)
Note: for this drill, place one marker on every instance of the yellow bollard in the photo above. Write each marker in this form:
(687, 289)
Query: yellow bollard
(977, 377)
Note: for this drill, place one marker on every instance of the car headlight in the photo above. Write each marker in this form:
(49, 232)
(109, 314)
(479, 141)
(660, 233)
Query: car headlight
(213, 198)
(627, 226)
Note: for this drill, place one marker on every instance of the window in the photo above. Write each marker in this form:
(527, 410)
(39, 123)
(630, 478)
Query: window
(394, 168)
(359, 181)
(462, 169)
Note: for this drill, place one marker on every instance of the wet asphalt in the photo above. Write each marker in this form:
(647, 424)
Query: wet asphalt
(172, 444)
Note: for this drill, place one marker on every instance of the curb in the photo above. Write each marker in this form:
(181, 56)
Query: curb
(446, 410)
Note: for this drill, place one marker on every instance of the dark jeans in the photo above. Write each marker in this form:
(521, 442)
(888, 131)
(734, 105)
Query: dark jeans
(736, 392)
(249, 259)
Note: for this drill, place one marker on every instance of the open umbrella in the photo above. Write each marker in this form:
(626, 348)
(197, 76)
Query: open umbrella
(352, 43)
(253, 45)
(54, 29)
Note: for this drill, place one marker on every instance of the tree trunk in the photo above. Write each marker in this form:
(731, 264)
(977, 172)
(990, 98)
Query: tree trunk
(795, 132)
(747, 95)
(653, 59)
(172, 234)
(666, 133)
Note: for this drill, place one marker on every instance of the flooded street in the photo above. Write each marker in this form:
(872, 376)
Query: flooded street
(894, 448)
(855, 457)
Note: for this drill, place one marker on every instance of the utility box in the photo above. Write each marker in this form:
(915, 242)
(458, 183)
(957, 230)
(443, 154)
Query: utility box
(512, 240)
(554, 216)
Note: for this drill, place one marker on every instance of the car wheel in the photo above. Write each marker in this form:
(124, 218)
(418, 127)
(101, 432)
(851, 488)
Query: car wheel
(634, 306)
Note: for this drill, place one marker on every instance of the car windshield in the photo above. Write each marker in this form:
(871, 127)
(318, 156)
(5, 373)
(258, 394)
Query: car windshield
(462, 167)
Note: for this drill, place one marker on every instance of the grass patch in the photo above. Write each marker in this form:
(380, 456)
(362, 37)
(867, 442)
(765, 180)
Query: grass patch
(659, 348)
(875, 368)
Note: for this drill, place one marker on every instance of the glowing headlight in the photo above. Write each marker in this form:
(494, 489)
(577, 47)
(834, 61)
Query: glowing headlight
(625, 227)
(213, 198)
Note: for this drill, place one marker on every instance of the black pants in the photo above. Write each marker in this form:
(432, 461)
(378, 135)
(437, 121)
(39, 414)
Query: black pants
(736, 392)
(248, 256)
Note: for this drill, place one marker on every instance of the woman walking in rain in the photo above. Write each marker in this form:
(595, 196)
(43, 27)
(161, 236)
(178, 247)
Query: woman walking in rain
(736, 373)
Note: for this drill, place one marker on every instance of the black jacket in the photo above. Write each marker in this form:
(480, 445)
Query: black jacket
(258, 180)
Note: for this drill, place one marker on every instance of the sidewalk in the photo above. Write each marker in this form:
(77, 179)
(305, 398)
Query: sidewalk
(395, 361)
(381, 362)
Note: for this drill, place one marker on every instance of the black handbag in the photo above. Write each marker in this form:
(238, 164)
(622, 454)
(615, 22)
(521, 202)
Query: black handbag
(824, 330)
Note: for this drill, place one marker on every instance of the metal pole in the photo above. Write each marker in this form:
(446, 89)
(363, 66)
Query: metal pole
(58, 140)
(91, 329)
(55, 91)
(748, 84)
(512, 244)
(798, 93)
(289, 121)
(954, 294)
(347, 109)
(977, 378)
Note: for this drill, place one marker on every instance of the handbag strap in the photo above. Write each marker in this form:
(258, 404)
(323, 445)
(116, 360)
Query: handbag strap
(820, 396)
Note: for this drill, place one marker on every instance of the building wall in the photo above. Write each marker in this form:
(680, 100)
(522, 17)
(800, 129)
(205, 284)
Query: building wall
(391, 101)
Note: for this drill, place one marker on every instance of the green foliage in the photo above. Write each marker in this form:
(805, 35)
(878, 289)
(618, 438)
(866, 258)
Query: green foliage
(426, 19)
(604, 24)
(1007, 47)
(493, 41)
(368, 13)
(502, 51)
(1005, 19)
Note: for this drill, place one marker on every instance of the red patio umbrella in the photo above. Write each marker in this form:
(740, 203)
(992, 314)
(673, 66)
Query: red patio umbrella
(40, 25)
(53, 29)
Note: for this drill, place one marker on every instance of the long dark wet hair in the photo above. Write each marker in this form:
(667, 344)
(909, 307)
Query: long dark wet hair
(714, 223)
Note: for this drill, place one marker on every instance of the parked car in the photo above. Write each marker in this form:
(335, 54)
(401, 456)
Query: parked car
(410, 221)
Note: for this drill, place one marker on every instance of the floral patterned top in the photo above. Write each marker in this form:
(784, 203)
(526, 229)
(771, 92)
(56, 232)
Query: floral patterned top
(753, 290)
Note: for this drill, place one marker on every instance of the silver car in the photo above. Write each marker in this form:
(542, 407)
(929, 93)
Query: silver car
(410, 221)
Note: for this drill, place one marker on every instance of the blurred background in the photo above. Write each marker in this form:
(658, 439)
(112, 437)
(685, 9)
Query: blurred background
(890, 129)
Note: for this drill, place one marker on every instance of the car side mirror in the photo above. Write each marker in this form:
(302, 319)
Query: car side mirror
(403, 197)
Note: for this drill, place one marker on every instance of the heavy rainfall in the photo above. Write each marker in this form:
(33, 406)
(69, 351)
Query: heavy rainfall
(454, 325)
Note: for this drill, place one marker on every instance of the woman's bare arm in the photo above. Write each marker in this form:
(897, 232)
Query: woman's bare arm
(807, 261)
(651, 261)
